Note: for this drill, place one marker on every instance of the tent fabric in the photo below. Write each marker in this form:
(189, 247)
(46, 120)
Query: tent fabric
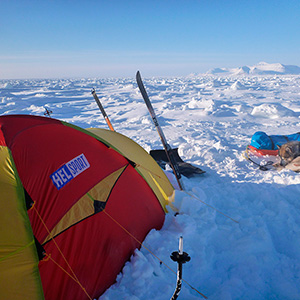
(93, 205)
(86, 205)
(145, 165)
(18, 257)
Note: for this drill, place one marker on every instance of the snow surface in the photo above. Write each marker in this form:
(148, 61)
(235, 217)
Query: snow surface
(211, 120)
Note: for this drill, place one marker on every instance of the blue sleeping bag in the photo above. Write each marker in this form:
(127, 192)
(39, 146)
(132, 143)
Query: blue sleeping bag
(260, 140)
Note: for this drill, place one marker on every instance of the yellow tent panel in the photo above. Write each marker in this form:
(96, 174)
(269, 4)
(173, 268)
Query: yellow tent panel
(145, 164)
(18, 256)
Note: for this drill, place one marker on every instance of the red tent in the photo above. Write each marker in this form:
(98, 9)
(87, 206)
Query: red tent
(88, 206)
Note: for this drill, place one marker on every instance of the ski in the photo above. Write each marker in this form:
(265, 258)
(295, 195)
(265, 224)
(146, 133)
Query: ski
(167, 147)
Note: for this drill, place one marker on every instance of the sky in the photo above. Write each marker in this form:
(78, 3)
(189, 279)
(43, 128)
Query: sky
(115, 38)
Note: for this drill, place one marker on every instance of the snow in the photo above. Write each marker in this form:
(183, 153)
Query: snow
(261, 68)
(240, 225)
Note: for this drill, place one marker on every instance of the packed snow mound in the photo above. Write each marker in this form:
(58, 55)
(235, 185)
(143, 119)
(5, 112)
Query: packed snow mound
(272, 111)
(261, 68)
(237, 86)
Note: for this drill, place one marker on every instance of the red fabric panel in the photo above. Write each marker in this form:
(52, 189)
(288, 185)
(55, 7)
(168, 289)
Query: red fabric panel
(11, 125)
(2, 138)
(41, 150)
(97, 247)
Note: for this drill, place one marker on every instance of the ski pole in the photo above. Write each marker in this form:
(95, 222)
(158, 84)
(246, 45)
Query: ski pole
(180, 257)
(102, 110)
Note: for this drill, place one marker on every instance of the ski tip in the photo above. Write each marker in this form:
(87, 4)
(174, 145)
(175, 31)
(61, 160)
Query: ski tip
(138, 75)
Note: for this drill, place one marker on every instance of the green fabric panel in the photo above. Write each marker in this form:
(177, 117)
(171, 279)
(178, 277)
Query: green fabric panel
(19, 273)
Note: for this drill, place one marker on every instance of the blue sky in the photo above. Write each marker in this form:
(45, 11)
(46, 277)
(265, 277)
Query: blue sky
(114, 38)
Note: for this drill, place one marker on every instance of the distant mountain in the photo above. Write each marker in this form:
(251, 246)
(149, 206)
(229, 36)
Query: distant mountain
(262, 68)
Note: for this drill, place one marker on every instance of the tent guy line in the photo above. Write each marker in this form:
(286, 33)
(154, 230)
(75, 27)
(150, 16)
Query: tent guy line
(151, 252)
(75, 278)
(48, 256)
